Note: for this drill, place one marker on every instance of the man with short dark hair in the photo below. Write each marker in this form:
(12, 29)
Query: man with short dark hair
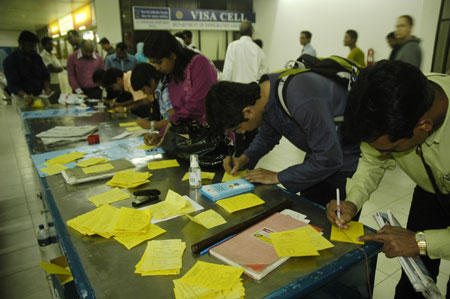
(313, 101)
(244, 61)
(305, 41)
(106, 46)
(54, 67)
(121, 59)
(356, 55)
(393, 43)
(402, 118)
(25, 71)
(408, 46)
(81, 65)
(74, 38)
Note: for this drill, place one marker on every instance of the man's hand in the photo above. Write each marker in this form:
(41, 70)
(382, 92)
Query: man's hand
(262, 176)
(152, 138)
(233, 165)
(47, 90)
(28, 100)
(397, 241)
(348, 211)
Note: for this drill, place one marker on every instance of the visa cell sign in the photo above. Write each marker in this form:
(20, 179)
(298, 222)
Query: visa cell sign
(148, 18)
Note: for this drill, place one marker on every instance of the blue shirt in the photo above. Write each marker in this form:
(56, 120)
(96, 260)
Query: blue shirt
(162, 95)
(124, 65)
(313, 101)
(24, 74)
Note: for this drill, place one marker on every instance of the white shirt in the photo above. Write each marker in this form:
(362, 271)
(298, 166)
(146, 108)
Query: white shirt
(308, 49)
(244, 62)
(49, 58)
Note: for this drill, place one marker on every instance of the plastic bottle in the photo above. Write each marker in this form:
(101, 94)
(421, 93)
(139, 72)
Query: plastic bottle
(52, 233)
(42, 236)
(195, 173)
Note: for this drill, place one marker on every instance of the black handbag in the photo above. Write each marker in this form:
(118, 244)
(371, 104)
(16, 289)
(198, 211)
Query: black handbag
(187, 137)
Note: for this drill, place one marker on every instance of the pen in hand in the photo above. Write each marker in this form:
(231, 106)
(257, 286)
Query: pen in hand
(338, 212)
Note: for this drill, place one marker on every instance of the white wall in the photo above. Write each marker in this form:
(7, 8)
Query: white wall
(9, 38)
(107, 16)
(279, 22)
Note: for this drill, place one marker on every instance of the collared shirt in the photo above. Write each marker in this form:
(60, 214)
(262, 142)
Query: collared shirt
(244, 61)
(436, 149)
(357, 55)
(313, 101)
(48, 59)
(125, 65)
(162, 96)
(26, 75)
(308, 49)
(137, 95)
(80, 69)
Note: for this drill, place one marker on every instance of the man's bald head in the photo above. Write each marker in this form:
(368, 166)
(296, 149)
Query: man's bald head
(87, 48)
(246, 28)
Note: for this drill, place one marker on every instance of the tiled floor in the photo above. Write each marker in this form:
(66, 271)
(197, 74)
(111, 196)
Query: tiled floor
(20, 214)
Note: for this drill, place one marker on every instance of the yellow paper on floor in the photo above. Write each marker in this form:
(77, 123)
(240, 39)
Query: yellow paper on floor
(132, 240)
(132, 220)
(64, 159)
(145, 147)
(212, 276)
(92, 161)
(292, 243)
(350, 235)
(159, 248)
(51, 268)
(174, 204)
(240, 202)
(131, 129)
(162, 164)
(98, 168)
(108, 197)
(129, 179)
(208, 219)
(128, 124)
(319, 242)
(205, 176)
(228, 177)
(53, 169)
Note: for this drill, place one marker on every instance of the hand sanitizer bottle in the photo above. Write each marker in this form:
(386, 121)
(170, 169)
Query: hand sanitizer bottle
(195, 173)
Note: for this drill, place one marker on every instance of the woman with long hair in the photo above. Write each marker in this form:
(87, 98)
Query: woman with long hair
(191, 74)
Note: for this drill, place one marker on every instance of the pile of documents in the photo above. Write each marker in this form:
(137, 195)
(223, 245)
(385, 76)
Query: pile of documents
(129, 227)
(208, 219)
(92, 161)
(64, 135)
(240, 202)
(286, 243)
(161, 257)
(129, 179)
(162, 164)
(108, 197)
(55, 165)
(173, 205)
(206, 280)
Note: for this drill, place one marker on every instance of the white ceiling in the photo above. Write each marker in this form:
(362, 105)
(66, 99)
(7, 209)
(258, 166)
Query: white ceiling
(34, 14)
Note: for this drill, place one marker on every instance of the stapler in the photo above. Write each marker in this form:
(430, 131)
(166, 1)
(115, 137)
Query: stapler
(146, 196)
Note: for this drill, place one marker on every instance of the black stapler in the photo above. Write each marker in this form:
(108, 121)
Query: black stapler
(146, 196)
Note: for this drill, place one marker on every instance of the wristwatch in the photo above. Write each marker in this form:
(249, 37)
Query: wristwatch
(421, 242)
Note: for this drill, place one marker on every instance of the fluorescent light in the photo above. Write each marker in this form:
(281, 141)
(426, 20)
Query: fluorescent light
(82, 27)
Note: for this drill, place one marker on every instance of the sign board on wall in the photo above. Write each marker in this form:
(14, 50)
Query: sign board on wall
(151, 18)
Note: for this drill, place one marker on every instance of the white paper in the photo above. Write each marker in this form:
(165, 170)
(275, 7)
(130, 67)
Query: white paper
(67, 132)
(120, 136)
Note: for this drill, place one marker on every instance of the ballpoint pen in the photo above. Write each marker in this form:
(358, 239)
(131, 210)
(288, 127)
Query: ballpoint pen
(338, 199)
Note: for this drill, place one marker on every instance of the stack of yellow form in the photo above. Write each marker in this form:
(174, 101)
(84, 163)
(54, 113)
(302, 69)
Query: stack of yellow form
(110, 196)
(64, 159)
(129, 179)
(240, 202)
(92, 161)
(161, 257)
(173, 205)
(206, 280)
(129, 227)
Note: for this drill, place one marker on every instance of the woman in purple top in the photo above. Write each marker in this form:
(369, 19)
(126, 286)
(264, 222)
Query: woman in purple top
(191, 75)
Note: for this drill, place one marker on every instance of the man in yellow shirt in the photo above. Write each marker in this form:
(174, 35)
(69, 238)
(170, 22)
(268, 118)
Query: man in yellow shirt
(355, 54)
(400, 115)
